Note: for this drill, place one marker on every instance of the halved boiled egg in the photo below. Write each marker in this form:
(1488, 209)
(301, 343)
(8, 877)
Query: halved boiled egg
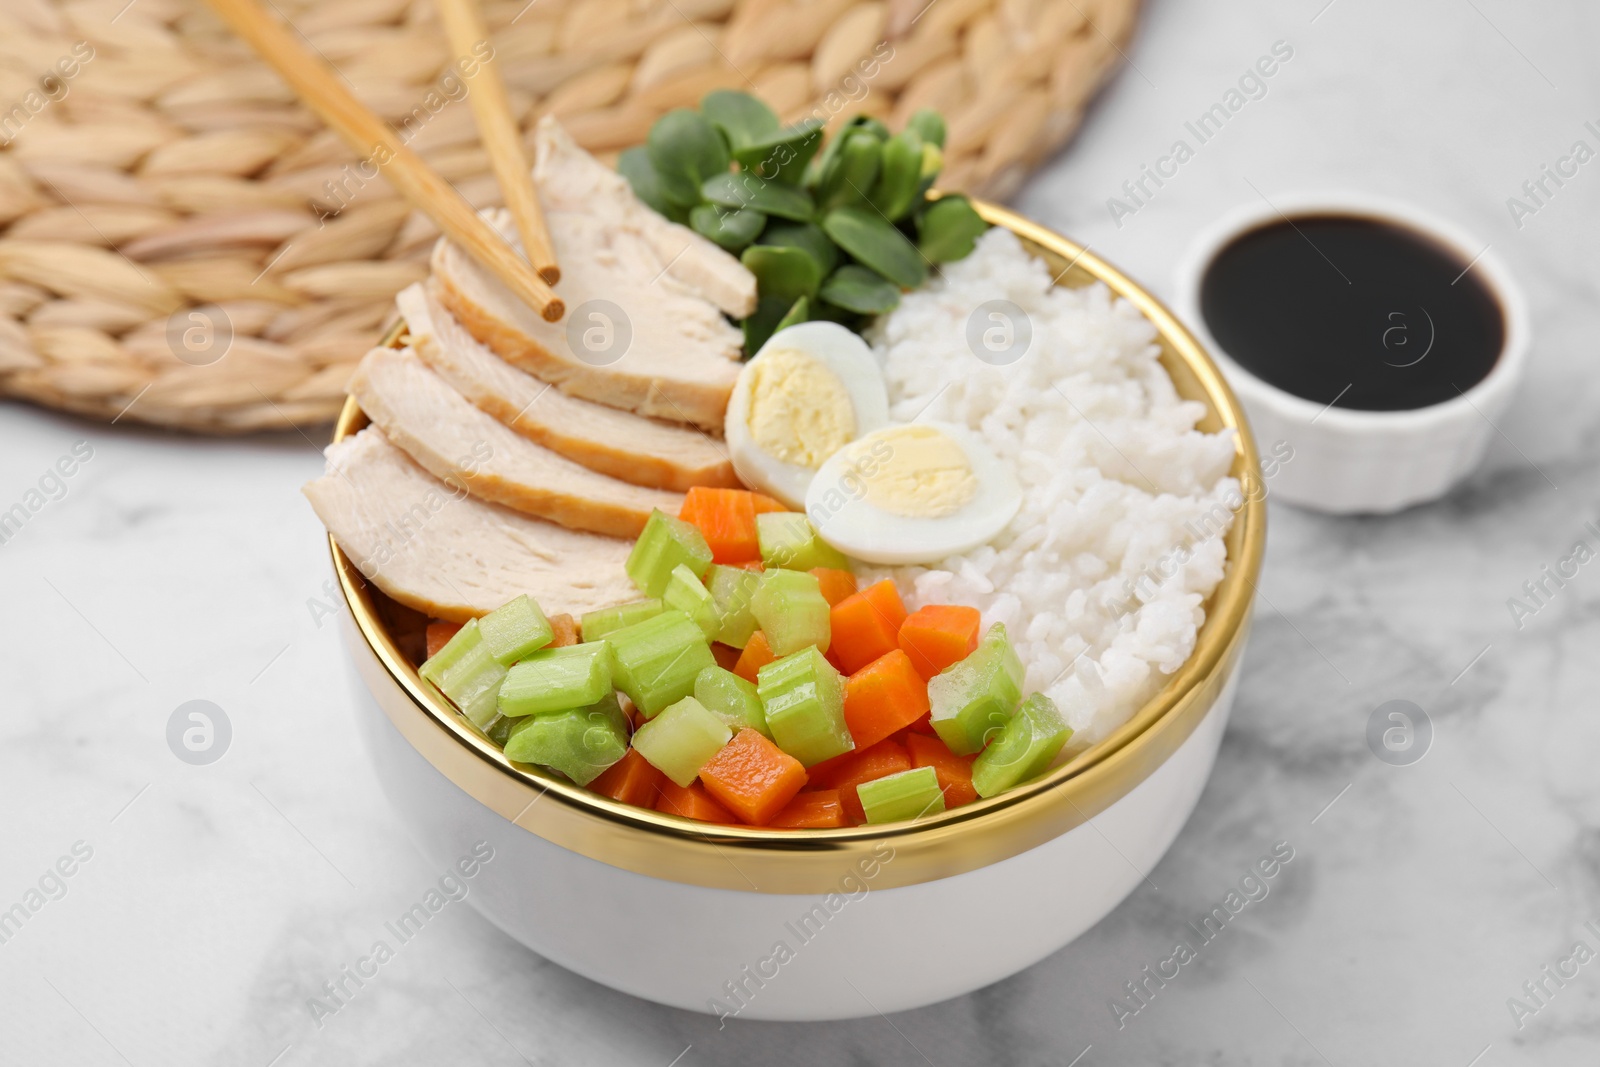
(812, 389)
(914, 493)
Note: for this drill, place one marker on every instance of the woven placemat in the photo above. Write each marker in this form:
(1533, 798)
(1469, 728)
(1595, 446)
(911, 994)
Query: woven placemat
(182, 244)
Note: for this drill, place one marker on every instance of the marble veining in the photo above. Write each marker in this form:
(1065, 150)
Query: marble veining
(216, 900)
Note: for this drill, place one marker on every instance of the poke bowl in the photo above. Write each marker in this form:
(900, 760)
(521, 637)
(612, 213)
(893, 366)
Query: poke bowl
(818, 921)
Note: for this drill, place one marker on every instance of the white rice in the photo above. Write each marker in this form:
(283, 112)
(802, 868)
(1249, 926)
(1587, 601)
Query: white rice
(1099, 580)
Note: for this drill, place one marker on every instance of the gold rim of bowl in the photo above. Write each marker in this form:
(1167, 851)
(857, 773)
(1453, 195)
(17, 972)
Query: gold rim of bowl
(815, 861)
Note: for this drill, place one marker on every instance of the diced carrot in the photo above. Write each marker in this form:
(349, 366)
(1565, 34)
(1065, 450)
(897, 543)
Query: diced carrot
(439, 635)
(938, 635)
(924, 725)
(691, 803)
(884, 696)
(833, 773)
(566, 631)
(955, 772)
(866, 625)
(812, 811)
(631, 780)
(756, 654)
(836, 584)
(822, 774)
(727, 518)
(846, 772)
(727, 656)
(752, 777)
(765, 503)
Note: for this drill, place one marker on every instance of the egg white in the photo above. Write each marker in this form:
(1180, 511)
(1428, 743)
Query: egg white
(843, 353)
(845, 519)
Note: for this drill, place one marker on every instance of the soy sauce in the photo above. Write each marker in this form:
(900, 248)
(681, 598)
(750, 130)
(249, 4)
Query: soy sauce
(1352, 311)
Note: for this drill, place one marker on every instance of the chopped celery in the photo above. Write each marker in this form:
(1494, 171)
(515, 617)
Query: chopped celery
(803, 699)
(665, 543)
(686, 593)
(906, 795)
(731, 699)
(973, 700)
(467, 673)
(792, 612)
(1024, 749)
(515, 629)
(557, 679)
(732, 588)
(498, 729)
(578, 742)
(656, 661)
(788, 540)
(681, 740)
(596, 624)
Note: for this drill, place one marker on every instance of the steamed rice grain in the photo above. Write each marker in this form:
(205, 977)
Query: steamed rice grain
(1101, 577)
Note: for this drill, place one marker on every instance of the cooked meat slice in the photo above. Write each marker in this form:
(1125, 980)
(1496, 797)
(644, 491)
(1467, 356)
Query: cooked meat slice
(633, 337)
(434, 548)
(570, 179)
(455, 442)
(643, 451)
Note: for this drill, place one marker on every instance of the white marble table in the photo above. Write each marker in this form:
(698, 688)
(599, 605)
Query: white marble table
(215, 900)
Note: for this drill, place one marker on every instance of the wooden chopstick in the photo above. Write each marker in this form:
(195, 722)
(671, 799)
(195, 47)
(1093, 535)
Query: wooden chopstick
(497, 128)
(373, 139)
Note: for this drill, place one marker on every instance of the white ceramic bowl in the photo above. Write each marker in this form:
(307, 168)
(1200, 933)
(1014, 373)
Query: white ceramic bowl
(1347, 461)
(817, 924)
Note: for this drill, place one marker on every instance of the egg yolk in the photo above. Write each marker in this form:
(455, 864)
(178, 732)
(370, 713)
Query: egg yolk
(800, 412)
(914, 471)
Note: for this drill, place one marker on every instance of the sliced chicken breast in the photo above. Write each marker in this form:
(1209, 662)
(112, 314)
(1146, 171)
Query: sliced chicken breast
(636, 449)
(454, 441)
(433, 547)
(570, 179)
(633, 337)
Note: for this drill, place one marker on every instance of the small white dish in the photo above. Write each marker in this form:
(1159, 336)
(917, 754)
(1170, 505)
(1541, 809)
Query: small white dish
(1347, 461)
